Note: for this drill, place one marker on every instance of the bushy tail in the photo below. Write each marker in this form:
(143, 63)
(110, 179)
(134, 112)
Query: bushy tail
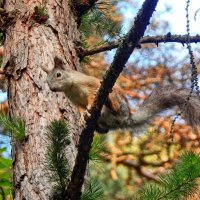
(164, 97)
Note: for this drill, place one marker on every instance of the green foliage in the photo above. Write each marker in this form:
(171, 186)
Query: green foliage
(57, 138)
(179, 183)
(15, 126)
(41, 11)
(97, 149)
(93, 191)
(5, 175)
(40, 15)
(96, 23)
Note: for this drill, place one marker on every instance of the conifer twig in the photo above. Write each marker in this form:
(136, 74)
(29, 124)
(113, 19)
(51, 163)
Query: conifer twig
(121, 57)
(82, 6)
(180, 182)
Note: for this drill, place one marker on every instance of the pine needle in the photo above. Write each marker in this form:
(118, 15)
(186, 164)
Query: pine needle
(97, 149)
(15, 126)
(94, 191)
(56, 164)
(179, 183)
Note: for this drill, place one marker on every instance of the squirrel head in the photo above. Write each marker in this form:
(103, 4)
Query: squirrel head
(59, 79)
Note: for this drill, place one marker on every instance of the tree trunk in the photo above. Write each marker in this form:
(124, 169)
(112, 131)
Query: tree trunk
(30, 48)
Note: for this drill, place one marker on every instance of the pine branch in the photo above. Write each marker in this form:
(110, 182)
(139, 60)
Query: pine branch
(180, 183)
(82, 6)
(96, 22)
(122, 55)
(182, 39)
(15, 126)
(56, 164)
(96, 149)
(94, 191)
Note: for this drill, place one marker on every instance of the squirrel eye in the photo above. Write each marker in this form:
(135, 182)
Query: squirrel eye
(58, 74)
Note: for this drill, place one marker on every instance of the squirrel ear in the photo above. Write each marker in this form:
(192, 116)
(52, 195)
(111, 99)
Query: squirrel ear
(58, 63)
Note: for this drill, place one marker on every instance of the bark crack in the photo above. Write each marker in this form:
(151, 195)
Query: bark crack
(34, 82)
(18, 184)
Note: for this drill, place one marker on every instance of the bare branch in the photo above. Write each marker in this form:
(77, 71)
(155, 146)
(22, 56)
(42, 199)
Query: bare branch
(121, 57)
(145, 40)
(112, 45)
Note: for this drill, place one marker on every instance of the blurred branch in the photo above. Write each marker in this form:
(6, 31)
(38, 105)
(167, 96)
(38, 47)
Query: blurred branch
(145, 40)
(121, 57)
(148, 175)
(133, 164)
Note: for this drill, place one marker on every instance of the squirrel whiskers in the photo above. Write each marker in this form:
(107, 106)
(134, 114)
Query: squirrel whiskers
(81, 90)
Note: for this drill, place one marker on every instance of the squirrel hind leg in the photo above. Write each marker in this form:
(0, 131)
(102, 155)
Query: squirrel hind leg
(82, 114)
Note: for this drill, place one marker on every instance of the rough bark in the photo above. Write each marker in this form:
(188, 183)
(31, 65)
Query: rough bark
(30, 48)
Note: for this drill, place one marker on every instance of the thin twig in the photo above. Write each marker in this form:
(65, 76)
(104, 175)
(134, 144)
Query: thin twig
(121, 57)
(195, 14)
(145, 40)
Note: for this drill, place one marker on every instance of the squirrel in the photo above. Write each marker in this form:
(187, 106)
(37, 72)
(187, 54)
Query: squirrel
(81, 89)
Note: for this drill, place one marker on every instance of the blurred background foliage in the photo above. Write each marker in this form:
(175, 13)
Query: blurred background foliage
(130, 159)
